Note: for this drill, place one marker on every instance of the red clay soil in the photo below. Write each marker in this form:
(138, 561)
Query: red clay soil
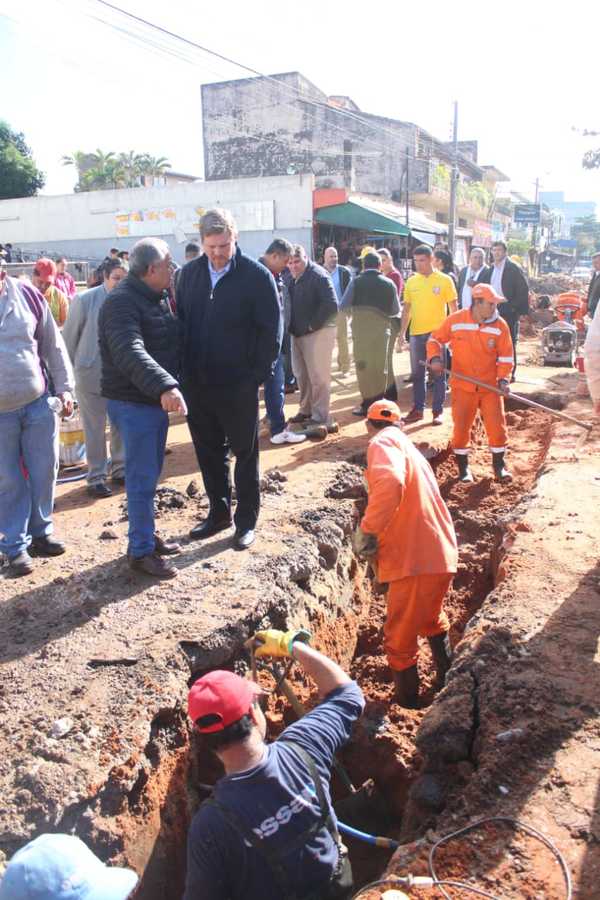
(383, 746)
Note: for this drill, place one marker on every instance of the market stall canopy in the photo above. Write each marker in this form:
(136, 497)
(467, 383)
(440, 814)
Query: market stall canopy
(358, 214)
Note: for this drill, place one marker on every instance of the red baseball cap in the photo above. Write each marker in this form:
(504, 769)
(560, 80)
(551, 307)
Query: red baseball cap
(223, 694)
(46, 269)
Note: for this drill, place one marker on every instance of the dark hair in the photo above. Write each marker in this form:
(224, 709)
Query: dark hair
(371, 261)
(445, 258)
(500, 244)
(233, 734)
(193, 247)
(59, 258)
(299, 252)
(423, 250)
(114, 250)
(280, 246)
(109, 266)
(122, 254)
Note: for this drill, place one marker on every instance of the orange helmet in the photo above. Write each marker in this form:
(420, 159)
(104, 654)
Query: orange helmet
(485, 292)
(384, 411)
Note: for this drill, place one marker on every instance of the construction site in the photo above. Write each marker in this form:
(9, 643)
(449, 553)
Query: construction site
(96, 662)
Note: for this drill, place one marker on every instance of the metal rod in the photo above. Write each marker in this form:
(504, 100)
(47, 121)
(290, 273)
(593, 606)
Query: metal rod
(518, 397)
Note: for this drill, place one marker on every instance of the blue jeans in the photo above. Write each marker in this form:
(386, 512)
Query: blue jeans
(418, 353)
(143, 429)
(28, 442)
(275, 397)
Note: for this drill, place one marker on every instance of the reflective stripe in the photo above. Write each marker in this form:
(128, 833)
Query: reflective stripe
(460, 452)
(465, 326)
(489, 330)
(496, 449)
(506, 359)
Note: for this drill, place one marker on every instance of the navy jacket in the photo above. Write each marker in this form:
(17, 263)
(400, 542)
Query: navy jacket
(314, 304)
(232, 333)
(139, 344)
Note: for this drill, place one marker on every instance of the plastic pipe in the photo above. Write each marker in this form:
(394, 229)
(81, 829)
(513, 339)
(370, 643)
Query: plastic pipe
(388, 843)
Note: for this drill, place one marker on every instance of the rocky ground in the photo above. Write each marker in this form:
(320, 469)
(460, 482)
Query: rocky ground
(95, 660)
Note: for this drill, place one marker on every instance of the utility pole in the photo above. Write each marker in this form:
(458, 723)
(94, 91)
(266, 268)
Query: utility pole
(453, 182)
(407, 186)
(534, 233)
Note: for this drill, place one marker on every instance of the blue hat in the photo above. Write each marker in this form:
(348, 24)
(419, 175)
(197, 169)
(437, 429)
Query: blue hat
(61, 867)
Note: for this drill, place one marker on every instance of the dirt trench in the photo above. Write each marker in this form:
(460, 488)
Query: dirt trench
(142, 813)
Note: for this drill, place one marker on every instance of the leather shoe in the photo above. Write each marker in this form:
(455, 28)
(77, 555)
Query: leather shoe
(101, 489)
(152, 564)
(165, 548)
(47, 546)
(243, 538)
(21, 564)
(209, 527)
(415, 415)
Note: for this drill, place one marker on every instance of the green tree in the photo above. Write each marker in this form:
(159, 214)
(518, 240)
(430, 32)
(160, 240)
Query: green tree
(586, 232)
(153, 167)
(19, 175)
(99, 171)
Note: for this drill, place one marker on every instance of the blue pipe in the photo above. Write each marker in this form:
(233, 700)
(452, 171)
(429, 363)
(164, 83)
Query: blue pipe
(388, 843)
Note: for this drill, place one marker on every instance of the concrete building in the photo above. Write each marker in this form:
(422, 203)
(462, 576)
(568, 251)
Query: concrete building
(570, 210)
(284, 123)
(85, 226)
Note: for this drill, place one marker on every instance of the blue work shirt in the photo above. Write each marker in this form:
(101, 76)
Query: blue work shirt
(276, 800)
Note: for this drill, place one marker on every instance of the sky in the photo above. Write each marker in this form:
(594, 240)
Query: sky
(524, 75)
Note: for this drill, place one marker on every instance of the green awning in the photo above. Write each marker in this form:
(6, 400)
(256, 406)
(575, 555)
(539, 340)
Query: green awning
(354, 215)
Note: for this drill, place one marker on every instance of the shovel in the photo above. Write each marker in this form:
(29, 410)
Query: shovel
(518, 397)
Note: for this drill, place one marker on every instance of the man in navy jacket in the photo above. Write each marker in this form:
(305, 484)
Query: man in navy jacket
(232, 326)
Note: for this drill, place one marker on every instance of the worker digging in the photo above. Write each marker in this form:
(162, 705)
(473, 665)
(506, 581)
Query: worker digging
(407, 532)
(481, 348)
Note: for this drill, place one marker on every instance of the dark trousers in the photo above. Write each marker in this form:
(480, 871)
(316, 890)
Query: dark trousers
(223, 420)
(286, 353)
(512, 319)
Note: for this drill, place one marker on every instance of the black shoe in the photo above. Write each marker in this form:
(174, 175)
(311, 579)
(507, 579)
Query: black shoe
(464, 472)
(47, 546)
(406, 688)
(500, 471)
(165, 548)
(290, 389)
(209, 527)
(21, 564)
(299, 418)
(152, 564)
(101, 489)
(243, 538)
(359, 411)
(441, 659)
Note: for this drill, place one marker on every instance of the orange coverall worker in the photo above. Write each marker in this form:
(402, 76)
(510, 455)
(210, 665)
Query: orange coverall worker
(483, 351)
(417, 550)
(572, 302)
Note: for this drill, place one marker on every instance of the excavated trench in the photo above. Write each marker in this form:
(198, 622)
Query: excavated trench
(150, 806)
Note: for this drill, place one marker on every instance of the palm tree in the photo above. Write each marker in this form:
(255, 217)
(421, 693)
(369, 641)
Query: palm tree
(153, 167)
(132, 164)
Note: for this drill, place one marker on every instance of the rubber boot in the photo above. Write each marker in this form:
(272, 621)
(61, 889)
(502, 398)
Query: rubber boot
(464, 472)
(500, 470)
(441, 659)
(406, 688)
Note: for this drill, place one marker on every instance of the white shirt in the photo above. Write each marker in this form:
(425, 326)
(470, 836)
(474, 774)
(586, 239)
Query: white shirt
(591, 348)
(497, 273)
(466, 297)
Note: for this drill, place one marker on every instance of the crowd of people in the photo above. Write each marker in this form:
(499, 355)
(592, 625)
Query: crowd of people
(151, 339)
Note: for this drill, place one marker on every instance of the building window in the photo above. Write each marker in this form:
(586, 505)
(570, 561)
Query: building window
(441, 217)
(462, 223)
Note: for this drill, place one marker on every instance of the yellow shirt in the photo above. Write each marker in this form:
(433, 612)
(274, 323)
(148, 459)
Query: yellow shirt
(58, 303)
(428, 296)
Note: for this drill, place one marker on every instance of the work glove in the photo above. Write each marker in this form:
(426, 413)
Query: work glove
(364, 544)
(504, 386)
(273, 642)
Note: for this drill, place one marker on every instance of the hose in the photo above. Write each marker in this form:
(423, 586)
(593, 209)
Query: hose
(386, 842)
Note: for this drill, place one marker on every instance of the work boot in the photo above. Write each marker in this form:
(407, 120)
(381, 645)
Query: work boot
(406, 688)
(47, 546)
(441, 659)
(500, 470)
(21, 564)
(152, 564)
(464, 472)
(165, 548)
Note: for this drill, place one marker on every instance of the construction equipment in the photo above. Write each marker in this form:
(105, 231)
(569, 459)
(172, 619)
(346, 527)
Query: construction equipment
(561, 339)
(518, 397)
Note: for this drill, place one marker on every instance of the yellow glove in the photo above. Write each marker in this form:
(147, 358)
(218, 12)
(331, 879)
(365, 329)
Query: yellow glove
(273, 642)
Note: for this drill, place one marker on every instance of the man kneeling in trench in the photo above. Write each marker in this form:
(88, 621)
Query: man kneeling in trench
(407, 532)
(269, 832)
